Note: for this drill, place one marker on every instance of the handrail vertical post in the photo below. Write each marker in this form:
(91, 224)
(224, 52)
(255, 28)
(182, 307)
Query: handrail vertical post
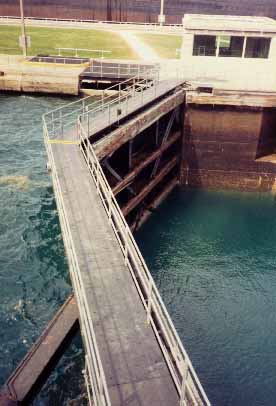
(61, 122)
(97, 176)
(183, 385)
(149, 301)
(120, 96)
(126, 246)
(109, 205)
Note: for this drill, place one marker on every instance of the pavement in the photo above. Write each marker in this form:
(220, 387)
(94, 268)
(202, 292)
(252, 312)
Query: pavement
(143, 51)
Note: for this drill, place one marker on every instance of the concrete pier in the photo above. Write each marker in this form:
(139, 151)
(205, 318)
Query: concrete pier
(22, 76)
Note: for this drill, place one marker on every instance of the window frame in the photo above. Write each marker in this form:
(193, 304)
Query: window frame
(258, 38)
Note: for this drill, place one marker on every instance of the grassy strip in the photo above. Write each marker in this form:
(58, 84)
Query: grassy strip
(164, 45)
(46, 40)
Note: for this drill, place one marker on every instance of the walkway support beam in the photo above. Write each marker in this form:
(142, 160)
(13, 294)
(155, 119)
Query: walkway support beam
(39, 362)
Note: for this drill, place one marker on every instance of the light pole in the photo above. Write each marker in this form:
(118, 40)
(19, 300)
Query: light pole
(161, 17)
(23, 31)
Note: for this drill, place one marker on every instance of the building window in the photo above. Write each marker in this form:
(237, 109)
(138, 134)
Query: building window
(231, 46)
(205, 45)
(257, 47)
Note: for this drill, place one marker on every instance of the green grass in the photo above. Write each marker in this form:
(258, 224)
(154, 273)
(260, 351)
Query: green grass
(46, 40)
(164, 45)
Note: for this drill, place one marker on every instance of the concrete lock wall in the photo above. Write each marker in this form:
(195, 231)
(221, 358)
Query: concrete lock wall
(222, 144)
(136, 10)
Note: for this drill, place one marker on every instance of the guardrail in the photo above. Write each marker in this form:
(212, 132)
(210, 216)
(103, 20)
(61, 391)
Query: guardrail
(190, 391)
(64, 60)
(187, 383)
(77, 50)
(131, 97)
(117, 70)
(156, 26)
(97, 382)
(64, 118)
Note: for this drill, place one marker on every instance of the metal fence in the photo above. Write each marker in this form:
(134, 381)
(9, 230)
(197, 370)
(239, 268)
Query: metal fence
(187, 383)
(56, 59)
(116, 70)
(64, 119)
(132, 95)
(77, 51)
(190, 391)
(83, 22)
(97, 388)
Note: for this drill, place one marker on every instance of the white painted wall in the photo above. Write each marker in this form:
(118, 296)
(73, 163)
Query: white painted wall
(230, 73)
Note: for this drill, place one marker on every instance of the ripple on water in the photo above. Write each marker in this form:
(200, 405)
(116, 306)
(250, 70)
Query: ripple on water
(33, 274)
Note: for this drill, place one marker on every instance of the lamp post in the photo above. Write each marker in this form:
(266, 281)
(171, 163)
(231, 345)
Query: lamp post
(161, 17)
(23, 31)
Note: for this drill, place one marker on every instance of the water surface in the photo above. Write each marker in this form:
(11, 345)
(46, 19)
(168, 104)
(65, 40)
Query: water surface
(33, 269)
(212, 255)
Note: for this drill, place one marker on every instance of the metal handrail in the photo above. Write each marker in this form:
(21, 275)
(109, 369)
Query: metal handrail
(95, 369)
(62, 118)
(111, 110)
(99, 51)
(186, 381)
(83, 21)
(58, 59)
(180, 366)
(117, 70)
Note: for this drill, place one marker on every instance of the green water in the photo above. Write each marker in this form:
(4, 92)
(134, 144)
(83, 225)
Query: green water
(212, 255)
(33, 271)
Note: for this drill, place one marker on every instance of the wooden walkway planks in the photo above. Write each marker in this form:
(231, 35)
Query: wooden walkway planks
(134, 366)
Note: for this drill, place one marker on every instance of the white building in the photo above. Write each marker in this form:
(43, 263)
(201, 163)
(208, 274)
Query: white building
(230, 52)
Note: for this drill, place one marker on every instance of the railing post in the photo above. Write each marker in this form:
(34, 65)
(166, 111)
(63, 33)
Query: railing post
(53, 124)
(88, 124)
(109, 205)
(126, 247)
(97, 175)
(60, 122)
(183, 385)
(120, 96)
(149, 301)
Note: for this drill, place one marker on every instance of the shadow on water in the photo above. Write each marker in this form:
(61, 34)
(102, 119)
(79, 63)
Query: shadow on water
(65, 385)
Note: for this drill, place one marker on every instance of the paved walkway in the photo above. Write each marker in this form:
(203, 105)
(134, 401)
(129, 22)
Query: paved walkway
(134, 366)
(144, 51)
